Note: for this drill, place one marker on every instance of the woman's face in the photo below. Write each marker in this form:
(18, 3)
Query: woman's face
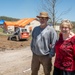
(65, 29)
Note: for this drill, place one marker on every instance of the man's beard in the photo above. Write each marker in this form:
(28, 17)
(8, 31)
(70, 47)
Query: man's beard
(43, 24)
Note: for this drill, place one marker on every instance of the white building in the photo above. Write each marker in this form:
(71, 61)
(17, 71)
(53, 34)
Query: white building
(32, 25)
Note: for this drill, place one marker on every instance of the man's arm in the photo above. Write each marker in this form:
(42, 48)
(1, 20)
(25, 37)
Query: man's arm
(53, 41)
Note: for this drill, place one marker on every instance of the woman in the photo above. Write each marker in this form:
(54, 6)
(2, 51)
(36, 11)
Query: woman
(65, 50)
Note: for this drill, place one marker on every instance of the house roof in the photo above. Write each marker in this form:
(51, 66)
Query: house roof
(24, 22)
(9, 23)
(20, 23)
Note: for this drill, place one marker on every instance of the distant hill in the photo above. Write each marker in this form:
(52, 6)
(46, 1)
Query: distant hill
(8, 18)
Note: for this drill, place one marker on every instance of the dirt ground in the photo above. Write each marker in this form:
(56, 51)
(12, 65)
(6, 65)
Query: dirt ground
(15, 57)
(11, 45)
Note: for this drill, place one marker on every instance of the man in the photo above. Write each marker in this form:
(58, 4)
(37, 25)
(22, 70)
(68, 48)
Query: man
(42, 45)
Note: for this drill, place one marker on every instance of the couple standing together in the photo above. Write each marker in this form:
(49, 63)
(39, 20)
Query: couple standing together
(45, 44)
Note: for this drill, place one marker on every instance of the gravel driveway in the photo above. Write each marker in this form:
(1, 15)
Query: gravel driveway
(16, 62)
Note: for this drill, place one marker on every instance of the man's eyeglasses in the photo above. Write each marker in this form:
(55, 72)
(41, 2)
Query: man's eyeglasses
(43, 18)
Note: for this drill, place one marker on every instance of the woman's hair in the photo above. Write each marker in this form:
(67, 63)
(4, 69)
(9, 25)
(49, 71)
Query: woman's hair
(66, 23)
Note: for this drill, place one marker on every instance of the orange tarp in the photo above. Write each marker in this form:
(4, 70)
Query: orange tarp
(8, 23)
(19, 23)
(24, 22)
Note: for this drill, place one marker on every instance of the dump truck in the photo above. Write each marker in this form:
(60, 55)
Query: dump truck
(19, 34)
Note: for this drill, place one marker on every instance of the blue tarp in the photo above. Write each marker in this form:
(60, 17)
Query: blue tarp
(1, 21)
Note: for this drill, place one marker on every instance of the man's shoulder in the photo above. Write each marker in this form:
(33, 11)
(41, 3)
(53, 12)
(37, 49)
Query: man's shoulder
(50, 27)
(36, 28)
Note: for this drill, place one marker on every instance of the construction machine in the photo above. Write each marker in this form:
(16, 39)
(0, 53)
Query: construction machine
(19, 34)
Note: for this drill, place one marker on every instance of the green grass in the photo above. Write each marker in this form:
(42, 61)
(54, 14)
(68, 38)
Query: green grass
(1, 30)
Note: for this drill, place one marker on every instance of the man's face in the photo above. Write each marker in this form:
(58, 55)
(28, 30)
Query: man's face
(43, 20)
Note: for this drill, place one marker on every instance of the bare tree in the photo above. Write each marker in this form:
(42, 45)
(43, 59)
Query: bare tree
(50, 7)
